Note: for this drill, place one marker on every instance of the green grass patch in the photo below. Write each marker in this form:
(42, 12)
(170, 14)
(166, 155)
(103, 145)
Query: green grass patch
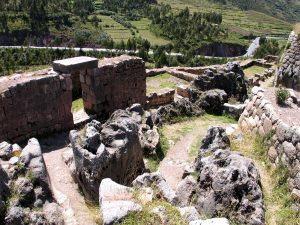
(147, 217)
(251, 71)
(77, 105)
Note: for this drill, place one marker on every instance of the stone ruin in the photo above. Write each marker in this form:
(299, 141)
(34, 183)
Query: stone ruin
(288, 74)
(34, 105)
(37, 104)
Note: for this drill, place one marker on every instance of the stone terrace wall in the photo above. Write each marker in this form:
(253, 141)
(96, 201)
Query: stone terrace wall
(34, 104)
(260, 116)
(116, 84)
(289, 72)
(159, 99)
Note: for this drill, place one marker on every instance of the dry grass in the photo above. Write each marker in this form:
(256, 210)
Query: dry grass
(297, 28)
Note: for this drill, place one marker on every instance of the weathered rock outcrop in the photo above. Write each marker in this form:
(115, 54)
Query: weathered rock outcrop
(289, 72)
(212, 101)
(25, 187)
(231, 80)
(119, 155)
(182, 107)
(116, 202)
(228, 183)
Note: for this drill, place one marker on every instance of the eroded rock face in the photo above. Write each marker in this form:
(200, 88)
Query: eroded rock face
(119, 155)
(4, 192)
(215, 138)
(231, 80)
(182, 107)
(228, 183)
(212, 101)
(116, 202)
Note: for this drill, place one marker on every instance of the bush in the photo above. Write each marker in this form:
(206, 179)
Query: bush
(282, 94)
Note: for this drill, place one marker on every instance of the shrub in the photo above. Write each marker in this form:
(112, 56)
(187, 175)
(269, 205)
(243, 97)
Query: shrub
(282, 94)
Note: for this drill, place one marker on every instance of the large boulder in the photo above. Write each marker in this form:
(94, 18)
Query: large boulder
(156, 181)
(213, 101)
(32, 159)
(182, 107)
(231, 79)
(215, 138)
(119, 155)
(116, 202)
(5, 150)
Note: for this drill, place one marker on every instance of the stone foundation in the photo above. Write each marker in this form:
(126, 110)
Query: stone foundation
(159, 99)
(260, 117)
(34, 105)
(116, 84)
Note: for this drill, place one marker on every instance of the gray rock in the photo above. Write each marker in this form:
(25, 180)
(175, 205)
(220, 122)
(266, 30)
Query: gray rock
(15, 216)
(4, 191)
(230, 179)
(214, 221)
(150, 140)
(25, 191)
(189, 214)
(162, 213)
(33, 160)
(185, 192)
(213, 101)
(234, 111)
(215, 138)
(121, 159)
(92, 139)
(155, 179)
(5, 150)
(116, 202)
(53, 213)
(289, 150)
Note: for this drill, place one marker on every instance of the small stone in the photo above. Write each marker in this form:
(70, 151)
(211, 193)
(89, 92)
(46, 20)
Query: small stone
(296, 194)
(13, 160)
(189, 214)
(5, 150)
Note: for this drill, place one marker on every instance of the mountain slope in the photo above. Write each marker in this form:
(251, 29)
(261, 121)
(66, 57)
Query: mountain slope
(284, 9)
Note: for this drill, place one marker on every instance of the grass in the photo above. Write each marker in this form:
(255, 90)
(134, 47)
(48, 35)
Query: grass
(277, 197)
(77, 105)
(162, 81)
(147, 217)
(251, 71)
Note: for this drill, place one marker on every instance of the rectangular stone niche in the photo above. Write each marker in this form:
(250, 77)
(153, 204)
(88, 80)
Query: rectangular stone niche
(33, 105)
(115, 84)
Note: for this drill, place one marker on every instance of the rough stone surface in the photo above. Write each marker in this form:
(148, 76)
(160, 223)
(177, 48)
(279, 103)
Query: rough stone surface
(234, 111)
(5, 150)
(231, 80)
(119, 155)
(289, 72)
(214, 221)
(214, 139)
(53, 213)
(185, 191)
(149, 179)
(34, 105)
(159, 99)
(116, 202)
(4, 192)
(189, 214)
(115, 84)
(212, 101)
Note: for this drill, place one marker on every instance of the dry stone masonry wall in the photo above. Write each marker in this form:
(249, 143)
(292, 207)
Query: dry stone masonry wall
(289, 72)
(117, 83)
(159, 99)
(260, 116)
(34, 104)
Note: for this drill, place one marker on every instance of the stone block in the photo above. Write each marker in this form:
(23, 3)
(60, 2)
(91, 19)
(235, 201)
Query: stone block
(75, 64)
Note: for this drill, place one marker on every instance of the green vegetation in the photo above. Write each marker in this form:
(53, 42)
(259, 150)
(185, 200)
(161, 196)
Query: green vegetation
(147, 217)
(282, 94)
(268, 47)
(77, 105)
(277, 197)
(251, 71)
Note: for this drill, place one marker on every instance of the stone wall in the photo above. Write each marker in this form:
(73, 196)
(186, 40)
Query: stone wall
(73, 66)
(260, 117)
(289, 72)
(159, 99)
(34, 105)
(115, 84)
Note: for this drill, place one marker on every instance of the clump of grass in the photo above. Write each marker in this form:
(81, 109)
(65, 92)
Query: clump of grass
(282, 94)
(77, 105)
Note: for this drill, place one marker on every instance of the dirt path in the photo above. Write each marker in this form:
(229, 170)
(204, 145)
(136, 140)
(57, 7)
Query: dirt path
(177, 158)
(187, 137)
(65, 191)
